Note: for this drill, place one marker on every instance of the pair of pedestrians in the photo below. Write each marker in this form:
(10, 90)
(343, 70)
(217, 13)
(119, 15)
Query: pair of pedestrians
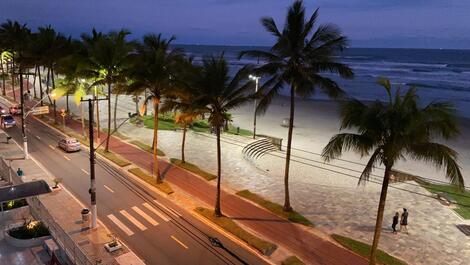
(403, 221)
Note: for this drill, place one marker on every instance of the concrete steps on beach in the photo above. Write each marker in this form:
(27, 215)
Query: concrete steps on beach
(258, 149)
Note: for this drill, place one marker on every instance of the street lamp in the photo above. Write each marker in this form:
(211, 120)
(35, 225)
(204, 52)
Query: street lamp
(256, 79)
(23, 124)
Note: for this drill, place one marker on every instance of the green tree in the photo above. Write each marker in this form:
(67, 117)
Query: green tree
(219, 93)
(394, 130)
(154, 69)
(297, 59)
(108, 58)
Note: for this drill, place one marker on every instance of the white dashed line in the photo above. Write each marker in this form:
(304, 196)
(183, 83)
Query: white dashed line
(179, 242)
(155, 211)
(68, 159)
(84, 171)
(108, 188)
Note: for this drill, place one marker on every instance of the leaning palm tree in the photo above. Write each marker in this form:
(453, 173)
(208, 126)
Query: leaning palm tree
(394, 130)
(107, 61)
(154, 71)
(218, 93)
(297, 59)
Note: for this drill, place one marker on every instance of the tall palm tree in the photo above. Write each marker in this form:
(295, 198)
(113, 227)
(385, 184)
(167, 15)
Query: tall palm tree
(394, 130)
(15, 38)
(107, 61)
(297, 59)
(154, 71)
(219, 93)
(5, 58)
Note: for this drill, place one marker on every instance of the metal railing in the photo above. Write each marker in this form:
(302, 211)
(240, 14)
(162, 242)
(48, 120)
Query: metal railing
(69, 249)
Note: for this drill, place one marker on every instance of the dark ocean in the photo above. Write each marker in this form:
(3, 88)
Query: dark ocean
(438, 74)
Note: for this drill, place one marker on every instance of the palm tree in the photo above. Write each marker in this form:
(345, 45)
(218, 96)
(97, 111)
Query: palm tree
(394, 130)
(15, 38)
(154, 71)
(297, 59)
(218, 93)
(5, 58)
(107, 61)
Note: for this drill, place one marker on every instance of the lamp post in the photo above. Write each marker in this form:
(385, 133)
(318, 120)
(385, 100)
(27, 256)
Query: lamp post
(256, 79)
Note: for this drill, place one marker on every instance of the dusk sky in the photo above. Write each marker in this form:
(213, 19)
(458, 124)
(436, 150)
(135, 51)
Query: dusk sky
(368, 23)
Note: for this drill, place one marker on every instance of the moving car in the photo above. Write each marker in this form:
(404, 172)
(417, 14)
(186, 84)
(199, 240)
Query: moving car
(15, 110)
(69, 144)
(7, 121)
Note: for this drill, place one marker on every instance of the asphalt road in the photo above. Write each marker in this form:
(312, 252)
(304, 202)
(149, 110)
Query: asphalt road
(157, 230)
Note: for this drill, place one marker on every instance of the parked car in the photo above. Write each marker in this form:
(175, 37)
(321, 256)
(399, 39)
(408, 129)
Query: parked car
(69, 144)
(15, 110)
(7, 121)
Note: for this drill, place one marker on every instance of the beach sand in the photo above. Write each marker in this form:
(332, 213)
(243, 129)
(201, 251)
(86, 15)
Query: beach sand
(317, 121)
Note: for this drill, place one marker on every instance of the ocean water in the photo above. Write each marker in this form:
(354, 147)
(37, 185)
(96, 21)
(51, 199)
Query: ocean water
(437, 74)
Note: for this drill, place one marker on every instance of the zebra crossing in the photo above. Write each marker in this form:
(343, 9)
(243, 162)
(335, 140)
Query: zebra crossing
(141, 217)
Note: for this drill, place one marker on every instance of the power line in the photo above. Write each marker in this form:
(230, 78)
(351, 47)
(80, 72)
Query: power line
(352, 176)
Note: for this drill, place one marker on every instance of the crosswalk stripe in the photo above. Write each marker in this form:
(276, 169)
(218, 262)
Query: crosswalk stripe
(51, 147)
(171, 210)
(144, 215)
(120, 225)
(157, 212)
(179, 242)
(84, 171)
(133, 220)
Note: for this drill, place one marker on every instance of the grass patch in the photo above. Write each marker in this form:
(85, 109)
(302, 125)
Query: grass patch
(193, 168)
(164, 187)
(117, 159)
(165, 122)
(242, 132)
(230, 226)
(292, 260)
(363, 249)
(275, 208)
(461, 197)
(147, 147)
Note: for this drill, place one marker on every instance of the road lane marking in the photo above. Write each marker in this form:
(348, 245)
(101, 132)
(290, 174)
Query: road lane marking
(144, 215)
(38, 137)
(68, 159)
(133, 220)
(157, 212)
(171, 210)
(179, 242)
(108, 188)
(52, 147)
(120, 225)
(84, 171)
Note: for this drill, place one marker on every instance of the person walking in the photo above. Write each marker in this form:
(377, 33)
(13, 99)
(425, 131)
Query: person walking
(404, 220)
(395, 222)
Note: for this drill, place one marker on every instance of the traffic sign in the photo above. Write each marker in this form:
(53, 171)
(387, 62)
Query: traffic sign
(41, 110)
(63, 114)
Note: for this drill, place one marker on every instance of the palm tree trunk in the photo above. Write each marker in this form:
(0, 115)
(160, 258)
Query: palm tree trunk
(13, 78)
(48, 79)
(34, 81)
(106, 148)
(183, 143)
(98, 129)
(41, 93)
(115, 111)
(67, 102)
(83, 122)
(287, 206)
(155, 140)
(380, 215)
(53, 88)
(217, 209)
(3, 81)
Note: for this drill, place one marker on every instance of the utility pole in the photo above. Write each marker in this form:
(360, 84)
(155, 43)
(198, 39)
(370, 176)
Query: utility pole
(92, 189)
(23, 125)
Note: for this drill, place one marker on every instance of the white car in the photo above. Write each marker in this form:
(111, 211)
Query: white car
(69, 145)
